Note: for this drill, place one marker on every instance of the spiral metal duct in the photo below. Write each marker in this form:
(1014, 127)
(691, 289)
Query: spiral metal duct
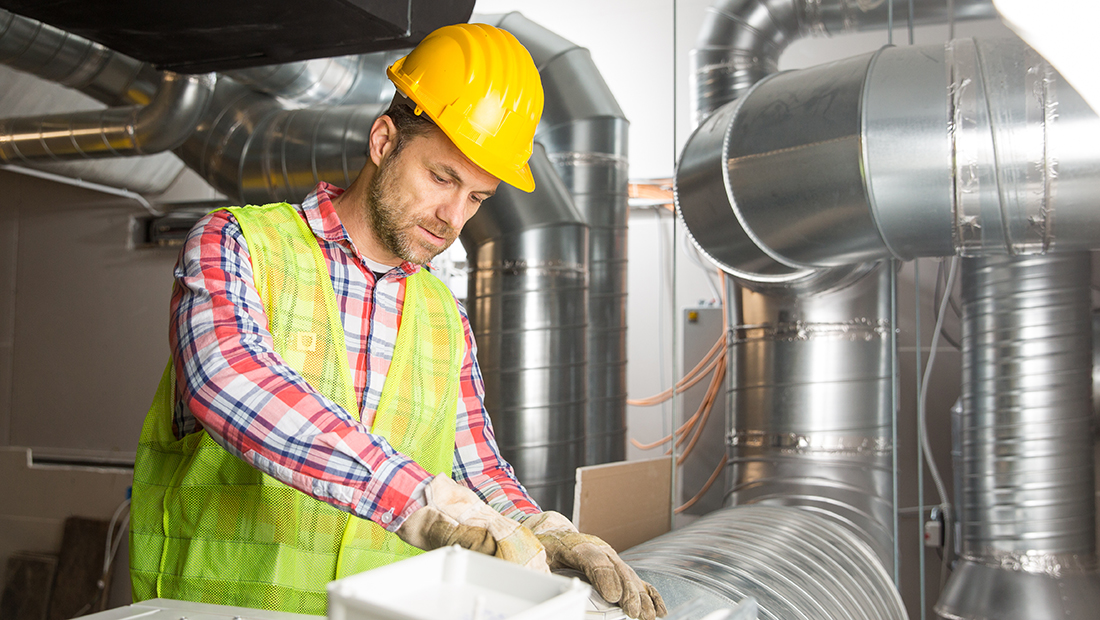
(1028, 515)
(795, 175)
(325, 81)
(106, 76)
(811, 415)
(528, 258)
(58, 56)
(797, 564)
(251, 148)
(163, 124)
(585, 135)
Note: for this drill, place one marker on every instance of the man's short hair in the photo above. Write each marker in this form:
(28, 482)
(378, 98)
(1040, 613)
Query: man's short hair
(408, 123)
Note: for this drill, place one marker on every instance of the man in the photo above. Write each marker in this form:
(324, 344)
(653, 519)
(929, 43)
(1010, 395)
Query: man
(322, 414)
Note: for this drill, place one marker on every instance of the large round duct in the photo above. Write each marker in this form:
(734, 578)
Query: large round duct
(892, 164)
(585, 134)
(1028, 518)
(798, 565)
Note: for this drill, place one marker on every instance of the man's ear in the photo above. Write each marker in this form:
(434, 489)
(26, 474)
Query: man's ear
(383, 137)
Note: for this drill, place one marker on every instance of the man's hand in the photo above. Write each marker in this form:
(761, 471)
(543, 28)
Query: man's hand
(613, 579)
(455, 515)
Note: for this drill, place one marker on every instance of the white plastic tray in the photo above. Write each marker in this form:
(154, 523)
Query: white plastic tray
(456, 584)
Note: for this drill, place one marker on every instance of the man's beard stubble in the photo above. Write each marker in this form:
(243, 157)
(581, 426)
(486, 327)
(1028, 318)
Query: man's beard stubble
(392, 227)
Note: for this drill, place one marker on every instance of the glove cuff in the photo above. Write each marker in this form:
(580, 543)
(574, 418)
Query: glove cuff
(547, 522)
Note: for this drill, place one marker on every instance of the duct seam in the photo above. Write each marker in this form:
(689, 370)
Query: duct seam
(1050, 564)
(587, 159)
(815, 443)
(855, 329)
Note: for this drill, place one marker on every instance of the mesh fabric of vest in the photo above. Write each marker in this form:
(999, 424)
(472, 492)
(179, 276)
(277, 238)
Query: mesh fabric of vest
(207, 527)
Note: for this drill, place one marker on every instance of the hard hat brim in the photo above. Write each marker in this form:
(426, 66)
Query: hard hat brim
(522, 179)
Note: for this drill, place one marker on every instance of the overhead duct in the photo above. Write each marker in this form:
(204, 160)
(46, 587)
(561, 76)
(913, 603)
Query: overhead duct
(46, 53)
(740, 41)
(795, 563)
(1000, 161)
(58, 56)
(325, 81)
(1027, 516)
(528, 257)
(163, 124)
(585, 134)
(251, 148)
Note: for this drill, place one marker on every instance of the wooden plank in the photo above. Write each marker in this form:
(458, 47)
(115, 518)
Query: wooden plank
(27, 586)
(624, 503)
(79, 569)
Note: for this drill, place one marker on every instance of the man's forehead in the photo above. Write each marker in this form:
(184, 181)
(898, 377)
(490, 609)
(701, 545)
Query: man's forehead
(456, 164)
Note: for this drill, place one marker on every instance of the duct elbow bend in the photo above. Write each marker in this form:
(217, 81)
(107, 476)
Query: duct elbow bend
(172, 115)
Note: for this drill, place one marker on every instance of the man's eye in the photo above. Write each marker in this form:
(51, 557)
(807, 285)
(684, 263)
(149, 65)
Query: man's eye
(438, 179)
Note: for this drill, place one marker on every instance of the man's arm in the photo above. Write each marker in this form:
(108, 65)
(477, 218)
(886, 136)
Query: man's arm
(478, 462)
(231, 383)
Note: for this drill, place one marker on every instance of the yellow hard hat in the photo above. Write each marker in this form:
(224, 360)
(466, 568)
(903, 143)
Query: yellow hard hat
(480, 86)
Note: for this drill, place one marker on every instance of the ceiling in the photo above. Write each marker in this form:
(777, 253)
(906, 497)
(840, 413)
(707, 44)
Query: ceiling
(199, 36)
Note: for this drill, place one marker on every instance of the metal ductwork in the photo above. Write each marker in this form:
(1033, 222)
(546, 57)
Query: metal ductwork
(795, 563)
(251, 148)
(1000, 161)
(585, 135)
(55, 55)
(800, 174)
(163, 124)
(811, 405)
(528, 256)
(1027, 515)
(811, 353)
(40, 52)
(325, 81)
(740, 41)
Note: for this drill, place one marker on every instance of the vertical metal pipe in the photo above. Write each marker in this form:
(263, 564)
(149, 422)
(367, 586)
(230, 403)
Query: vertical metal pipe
(1028, 519)
(585, 134)
(528, 306)
(812, 405)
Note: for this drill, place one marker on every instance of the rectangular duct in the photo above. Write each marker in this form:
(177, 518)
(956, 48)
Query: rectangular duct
(191, 36)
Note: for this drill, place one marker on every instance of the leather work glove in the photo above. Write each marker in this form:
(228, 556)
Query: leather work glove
(455, 515)
(612, 578)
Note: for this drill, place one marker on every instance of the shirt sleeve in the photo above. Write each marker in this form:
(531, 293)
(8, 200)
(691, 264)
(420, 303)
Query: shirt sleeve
(232, 383)
(478, 462)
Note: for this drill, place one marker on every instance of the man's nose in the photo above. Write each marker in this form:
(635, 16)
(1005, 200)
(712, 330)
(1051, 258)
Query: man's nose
(453, 211)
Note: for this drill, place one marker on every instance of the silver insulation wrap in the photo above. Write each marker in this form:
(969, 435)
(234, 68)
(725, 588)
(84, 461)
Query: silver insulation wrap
(796, 563)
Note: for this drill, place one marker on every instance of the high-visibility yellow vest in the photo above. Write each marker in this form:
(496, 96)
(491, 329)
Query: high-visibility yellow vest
(207, 527)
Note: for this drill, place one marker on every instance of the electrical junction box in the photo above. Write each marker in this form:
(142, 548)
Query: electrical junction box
(456, 584)
(701, 326)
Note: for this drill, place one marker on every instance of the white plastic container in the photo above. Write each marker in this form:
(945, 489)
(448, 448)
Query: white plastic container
(456, 584)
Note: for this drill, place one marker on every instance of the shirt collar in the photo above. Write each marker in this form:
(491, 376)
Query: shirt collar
(325, 224)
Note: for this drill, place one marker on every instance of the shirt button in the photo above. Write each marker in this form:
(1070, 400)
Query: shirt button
(386, 518)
